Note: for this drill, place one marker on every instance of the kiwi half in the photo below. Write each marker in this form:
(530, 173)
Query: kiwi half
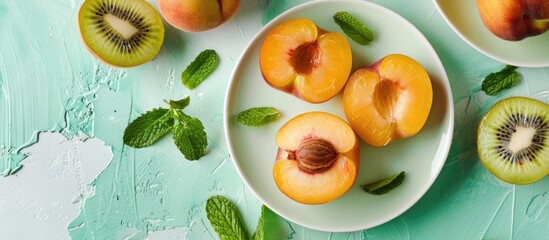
(121, 33)
(512, 140)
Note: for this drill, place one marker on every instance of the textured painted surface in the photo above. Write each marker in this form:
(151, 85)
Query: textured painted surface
(80, 181)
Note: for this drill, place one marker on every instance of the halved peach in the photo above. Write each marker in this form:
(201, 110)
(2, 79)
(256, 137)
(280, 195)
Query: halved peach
(388, 100)
(302, 59)
(317, 159)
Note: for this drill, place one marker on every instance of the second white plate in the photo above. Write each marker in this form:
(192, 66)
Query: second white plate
(463, 17)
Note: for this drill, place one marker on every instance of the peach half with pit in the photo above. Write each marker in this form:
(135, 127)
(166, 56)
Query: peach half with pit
(317, 159)
(300, 58)
(388, 100)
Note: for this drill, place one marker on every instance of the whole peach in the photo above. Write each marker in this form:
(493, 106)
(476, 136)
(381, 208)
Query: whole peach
(198, 15)
(515, 20)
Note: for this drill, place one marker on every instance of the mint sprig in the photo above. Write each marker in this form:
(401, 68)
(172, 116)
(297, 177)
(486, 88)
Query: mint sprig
(257, 116)
(384, 185)
(496, 82)
(199, 69)
(225, 219)
(353, 28)
(188, 132)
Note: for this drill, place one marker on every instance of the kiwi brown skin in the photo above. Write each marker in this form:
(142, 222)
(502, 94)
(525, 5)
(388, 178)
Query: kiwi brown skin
(152, 36)
(496, 130)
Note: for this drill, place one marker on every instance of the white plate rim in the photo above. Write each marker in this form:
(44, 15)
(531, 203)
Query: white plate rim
(227, 114)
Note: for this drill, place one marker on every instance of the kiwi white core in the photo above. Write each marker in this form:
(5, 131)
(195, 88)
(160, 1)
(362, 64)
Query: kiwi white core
(522, 138)
(126, 29)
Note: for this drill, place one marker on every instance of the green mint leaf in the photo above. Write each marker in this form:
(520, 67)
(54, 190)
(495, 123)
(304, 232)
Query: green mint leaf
(259, 233)
(385, 185)
(225, 219)
(180, 104)
(496, 82)
(202, 66)
(269, 226)
(148, 128)
(354, 29)
(258, 116)
(189, 136)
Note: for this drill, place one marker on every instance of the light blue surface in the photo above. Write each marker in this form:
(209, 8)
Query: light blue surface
(49, 82)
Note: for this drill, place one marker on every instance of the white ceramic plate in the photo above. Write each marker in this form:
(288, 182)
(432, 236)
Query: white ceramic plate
(253, 149)
(463, 17)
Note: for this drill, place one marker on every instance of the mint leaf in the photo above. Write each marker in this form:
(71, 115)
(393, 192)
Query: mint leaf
(258, 116)
(259, 233)
(189, 136)
(202, 66)
(225, 219)
(269, 226)
(180, 104)
(385, 185)
(148, 128)
(496, 82)
(354, 29)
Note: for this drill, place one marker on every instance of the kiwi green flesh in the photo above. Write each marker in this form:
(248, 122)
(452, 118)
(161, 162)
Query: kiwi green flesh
(513, 140)
(121, 33)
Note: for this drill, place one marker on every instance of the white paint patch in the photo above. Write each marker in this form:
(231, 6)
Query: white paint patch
(168, 234)
(45, 194)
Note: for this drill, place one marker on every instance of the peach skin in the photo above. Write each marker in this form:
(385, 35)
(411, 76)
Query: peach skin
(514, 20)
(197, 15)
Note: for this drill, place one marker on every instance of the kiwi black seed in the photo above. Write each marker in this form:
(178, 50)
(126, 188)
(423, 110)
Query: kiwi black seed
(513, 140)
(121, 33)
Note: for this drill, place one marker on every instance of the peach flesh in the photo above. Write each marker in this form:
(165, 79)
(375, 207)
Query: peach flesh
(300, 58)
(388, 100)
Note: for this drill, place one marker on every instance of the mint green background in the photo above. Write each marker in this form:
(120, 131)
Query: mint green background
(49, 82)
